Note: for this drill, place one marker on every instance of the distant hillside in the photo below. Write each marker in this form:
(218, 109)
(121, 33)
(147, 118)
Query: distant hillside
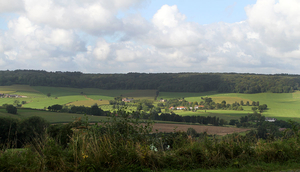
(168, 82)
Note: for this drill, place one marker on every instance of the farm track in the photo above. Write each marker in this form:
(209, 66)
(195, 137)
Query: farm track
(87, 97)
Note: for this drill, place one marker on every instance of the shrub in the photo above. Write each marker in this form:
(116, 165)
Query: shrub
(191, 132)
(11, 109)
(32, 128)
(8, 134)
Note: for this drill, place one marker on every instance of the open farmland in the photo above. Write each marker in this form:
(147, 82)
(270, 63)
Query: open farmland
(280, 105)
(222, 114)
(88, 103)
(54, 117)
(51, 117)
(37, 95)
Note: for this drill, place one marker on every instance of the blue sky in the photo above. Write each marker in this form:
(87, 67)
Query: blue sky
(120, 36)
(203, 11)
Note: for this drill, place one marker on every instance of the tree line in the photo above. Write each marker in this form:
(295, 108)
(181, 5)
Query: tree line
(168, 82)
(264, 129)
(93, 110)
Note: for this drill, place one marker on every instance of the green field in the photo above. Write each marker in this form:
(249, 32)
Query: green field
(280, 105)
(37, 95)
(51, 117)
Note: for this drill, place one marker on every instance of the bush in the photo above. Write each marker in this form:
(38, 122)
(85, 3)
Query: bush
(11, 109)
(32, 128)
(191, 132)
(8, 128)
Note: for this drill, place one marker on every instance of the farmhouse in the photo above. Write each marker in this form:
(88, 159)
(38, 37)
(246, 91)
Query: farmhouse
(282, 129)
(171, 108)
(163, 100)
(181, 108)
(10, 96)
(127, 100)
(200, 106)
(270, 119)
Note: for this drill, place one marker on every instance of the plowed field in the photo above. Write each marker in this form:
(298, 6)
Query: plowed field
(209, 129)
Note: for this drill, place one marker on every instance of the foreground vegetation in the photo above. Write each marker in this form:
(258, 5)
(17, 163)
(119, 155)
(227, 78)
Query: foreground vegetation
(124, 144)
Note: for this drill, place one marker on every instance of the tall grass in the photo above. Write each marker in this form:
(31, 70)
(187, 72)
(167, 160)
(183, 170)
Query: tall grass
(127, 145)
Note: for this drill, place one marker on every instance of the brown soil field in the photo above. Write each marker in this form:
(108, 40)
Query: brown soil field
(199, 128)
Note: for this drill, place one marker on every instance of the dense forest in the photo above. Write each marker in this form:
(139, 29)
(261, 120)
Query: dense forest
(171, 82)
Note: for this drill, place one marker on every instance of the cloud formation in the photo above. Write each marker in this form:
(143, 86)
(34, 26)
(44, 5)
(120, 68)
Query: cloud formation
(51, 35)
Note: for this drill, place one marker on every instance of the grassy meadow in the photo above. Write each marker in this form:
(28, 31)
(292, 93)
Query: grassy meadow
(51, 117)
(280, 105)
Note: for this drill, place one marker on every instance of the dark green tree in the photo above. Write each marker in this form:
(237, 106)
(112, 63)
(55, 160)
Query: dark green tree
(242, 103)
(232, 122)
(11, 109)
(254, 108)
(8, 128)
(32, 128)
(55, 107)
(192, 132)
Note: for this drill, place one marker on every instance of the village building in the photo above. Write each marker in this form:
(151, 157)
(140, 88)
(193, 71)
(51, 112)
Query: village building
(282, 129)
(10, 95)
(270, 119)
(181, 108)
(200, 106)
(127, 100)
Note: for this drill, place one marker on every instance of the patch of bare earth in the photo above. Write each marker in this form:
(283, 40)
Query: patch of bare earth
(199, 128)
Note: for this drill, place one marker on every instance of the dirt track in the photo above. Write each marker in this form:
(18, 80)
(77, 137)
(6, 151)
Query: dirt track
(198, 128)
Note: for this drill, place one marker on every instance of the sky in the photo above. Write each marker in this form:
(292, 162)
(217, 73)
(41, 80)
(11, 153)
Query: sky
(151, 36)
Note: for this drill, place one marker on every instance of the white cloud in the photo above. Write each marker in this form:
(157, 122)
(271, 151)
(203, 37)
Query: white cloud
(1, 45)
(28, 45)
(252, 35)
(11, 55)
(52, 35)
(277, 22)
(11, 6)
(101, 50)
(92, 16)
(168, 17)
(171, 30)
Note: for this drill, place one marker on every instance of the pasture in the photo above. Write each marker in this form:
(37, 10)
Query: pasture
(222, 114)
(280, 105)
(52, 117)
(160, 126)
(37, 95)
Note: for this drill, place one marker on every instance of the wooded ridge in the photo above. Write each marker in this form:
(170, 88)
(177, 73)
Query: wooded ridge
(167, 82)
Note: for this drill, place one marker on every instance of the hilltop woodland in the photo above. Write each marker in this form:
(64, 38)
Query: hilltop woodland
(167, 82)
